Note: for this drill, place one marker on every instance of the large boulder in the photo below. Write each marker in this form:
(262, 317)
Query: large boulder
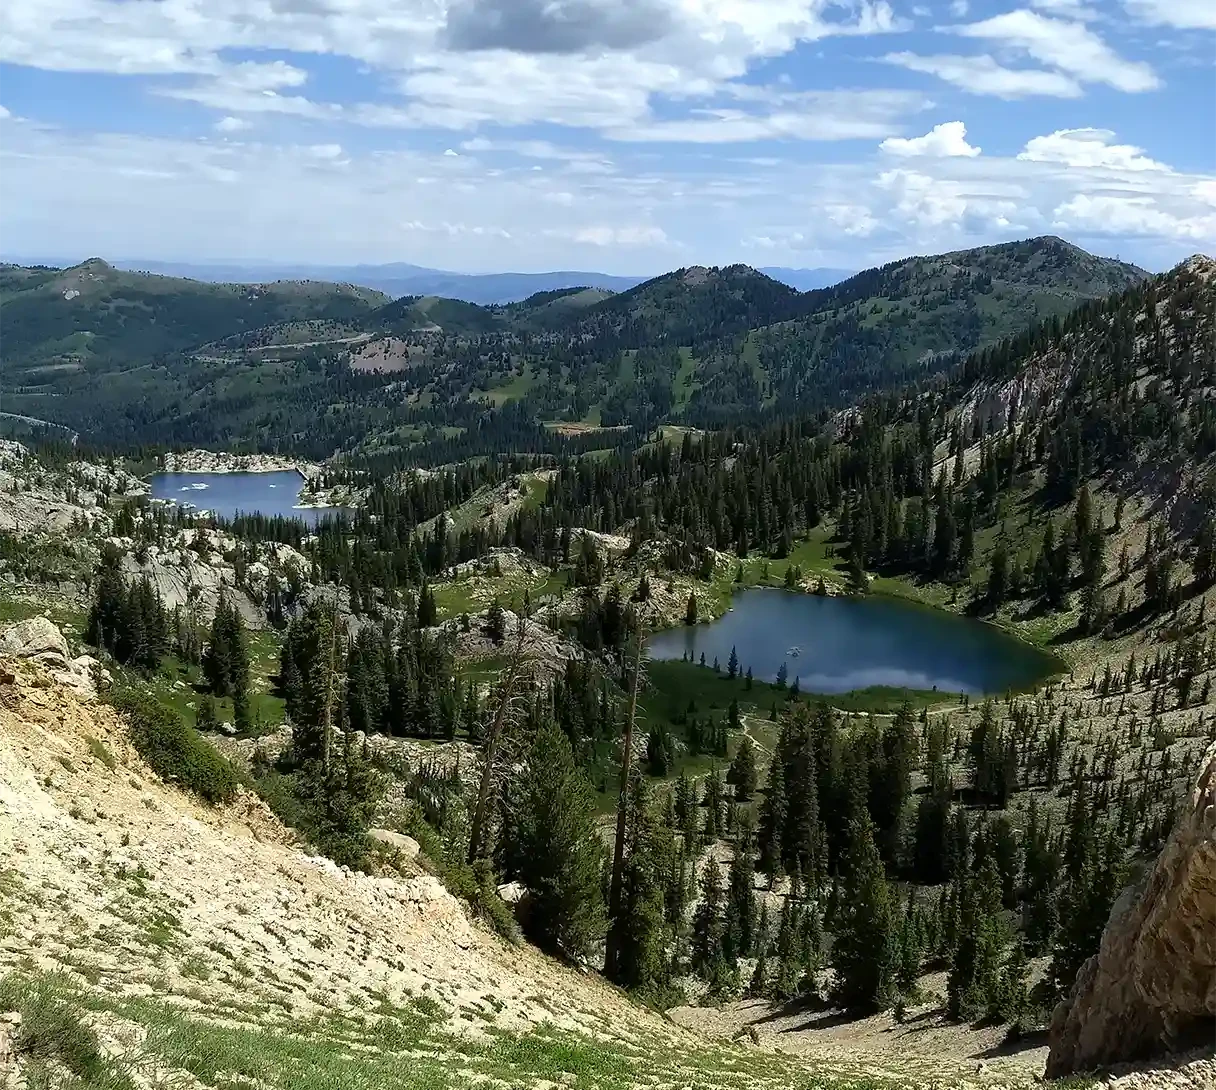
(35, 638)
(1152, 985)
(39, 640)
(406, 846)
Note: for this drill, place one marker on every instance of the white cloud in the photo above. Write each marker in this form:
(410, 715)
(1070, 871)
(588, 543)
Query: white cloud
(854, 220)
(1182, 14)
(1103, 214)
(575, 158)
(942, 141)
(456, 230)
(777, 115)
(982, 75)
(252, 87)
(1073, 9)
(1088, 148)
(634, 235)
(326, 152)
(232, 124)
(1068, 46)
(455, 63)
(959, 8)
(966, 202)
(923, 199)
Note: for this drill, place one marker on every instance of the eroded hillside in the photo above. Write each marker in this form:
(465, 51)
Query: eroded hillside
(204, 947)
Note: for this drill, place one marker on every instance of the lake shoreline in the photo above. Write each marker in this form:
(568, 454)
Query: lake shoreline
(312, 497)
(874, 640)
(233, 492)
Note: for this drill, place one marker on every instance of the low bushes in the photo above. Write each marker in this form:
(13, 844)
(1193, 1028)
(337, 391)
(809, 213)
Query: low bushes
(175, 750)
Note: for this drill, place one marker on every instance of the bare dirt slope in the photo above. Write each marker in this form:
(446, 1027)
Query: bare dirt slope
(126, 881)
(207, 939)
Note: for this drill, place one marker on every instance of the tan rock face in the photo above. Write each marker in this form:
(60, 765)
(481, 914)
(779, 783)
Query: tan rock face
(1152, 984)
(39, 640)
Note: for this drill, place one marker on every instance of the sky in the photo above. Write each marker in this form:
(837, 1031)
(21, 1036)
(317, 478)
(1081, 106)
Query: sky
(626, 136)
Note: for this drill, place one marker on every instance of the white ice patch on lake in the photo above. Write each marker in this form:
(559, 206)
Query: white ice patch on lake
(198, 486)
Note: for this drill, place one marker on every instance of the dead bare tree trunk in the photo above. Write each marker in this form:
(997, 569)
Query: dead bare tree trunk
(327, 719)
(490, 754)
(622, 804)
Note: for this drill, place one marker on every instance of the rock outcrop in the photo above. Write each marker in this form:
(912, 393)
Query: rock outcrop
(39, 640)
(196, 565)
(1152, 984)
(37, 501)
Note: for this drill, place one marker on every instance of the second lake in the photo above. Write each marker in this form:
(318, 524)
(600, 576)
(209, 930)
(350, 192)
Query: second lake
(229, 494)
(836, 645)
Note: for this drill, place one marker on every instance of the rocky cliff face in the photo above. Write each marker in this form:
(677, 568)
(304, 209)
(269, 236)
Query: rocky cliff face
(36, 501)
(1152, 984)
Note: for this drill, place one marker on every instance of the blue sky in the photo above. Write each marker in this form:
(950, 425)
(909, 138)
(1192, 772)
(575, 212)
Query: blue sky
(629, 136)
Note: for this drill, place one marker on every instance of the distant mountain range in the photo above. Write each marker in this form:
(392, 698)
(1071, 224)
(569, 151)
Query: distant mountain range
(128, 357)
(398, 278)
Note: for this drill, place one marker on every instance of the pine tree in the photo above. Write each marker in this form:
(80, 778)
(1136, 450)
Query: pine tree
(739, 928)
(911, 949)
(427, 610)
(773, 813)
(690, 611)
(707, 923)
(979, 952)
(892, 781)
(865, 951)
(206, 717)
(638, 934)
(560, 851)
(660, 750)
(496, 622)
(742, 772)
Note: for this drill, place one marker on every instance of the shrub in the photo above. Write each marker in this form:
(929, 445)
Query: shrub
(53, 1037)
(99, 750)
(176, 751)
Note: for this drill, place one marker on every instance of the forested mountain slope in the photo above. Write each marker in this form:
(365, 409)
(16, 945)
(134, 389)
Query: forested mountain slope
(121, 357)
(909, 319)
(57, 320)
(457, 661)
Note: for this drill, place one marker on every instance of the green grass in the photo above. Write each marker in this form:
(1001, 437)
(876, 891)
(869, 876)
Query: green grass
(516, 387)
(683, 386)
(384, 1048)
(54, 1040)
(180, 686)
(538, 490)
(69, 618)
(674, 684)
(473, 593)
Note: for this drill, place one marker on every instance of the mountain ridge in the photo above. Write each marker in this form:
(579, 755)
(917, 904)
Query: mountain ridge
(399, 278)
(698, 345)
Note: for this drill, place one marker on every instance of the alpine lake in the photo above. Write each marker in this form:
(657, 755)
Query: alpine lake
(830, 645)
(873, 644)
(229, 494)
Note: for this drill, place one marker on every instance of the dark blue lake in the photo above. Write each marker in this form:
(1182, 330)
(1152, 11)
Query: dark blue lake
(228, 494)
(835, 645)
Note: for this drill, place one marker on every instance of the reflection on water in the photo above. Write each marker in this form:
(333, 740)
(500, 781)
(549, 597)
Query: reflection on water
(835, 645)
